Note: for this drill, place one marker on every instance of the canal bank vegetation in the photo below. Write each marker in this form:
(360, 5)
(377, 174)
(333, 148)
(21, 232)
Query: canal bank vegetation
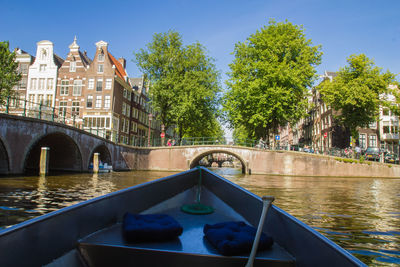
(269, 80)
(9, 75)
(356, 93)
(184, 85)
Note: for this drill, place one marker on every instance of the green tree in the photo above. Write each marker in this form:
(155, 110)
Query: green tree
(357, 92)
(184, 82)
(269, 79)
(9, 76)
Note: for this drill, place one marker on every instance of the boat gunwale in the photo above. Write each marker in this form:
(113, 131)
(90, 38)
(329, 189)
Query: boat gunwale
(63, 210)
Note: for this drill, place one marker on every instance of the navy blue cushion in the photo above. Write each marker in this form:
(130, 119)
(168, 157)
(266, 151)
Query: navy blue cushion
(150, 227)
(234, 238)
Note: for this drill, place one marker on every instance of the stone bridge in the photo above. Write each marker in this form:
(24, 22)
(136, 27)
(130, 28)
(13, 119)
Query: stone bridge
(72, 149)
(257, 161)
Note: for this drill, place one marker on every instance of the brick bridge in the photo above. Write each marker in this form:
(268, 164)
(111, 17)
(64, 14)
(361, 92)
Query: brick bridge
(72, 149)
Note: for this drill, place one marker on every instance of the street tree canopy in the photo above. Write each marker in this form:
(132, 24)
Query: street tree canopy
(9, 76)
(357, 92)
(269, 79)
(184, 84)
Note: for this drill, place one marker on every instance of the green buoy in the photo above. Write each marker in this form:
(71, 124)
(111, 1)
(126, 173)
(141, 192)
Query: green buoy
(197, 208)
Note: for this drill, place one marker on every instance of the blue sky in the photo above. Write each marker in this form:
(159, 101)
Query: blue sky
(341, 27)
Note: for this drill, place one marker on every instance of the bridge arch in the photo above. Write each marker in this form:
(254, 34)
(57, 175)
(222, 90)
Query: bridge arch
(195, 161)
(4, 158)
(65, 154)
(105, 155)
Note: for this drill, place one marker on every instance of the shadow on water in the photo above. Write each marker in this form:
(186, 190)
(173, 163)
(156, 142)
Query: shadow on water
(360, 214)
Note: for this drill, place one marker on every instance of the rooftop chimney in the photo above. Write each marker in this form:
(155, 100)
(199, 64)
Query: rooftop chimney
(122, 61)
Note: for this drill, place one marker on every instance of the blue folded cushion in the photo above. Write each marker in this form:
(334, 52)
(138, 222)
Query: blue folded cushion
(150, 227)
(234, 238)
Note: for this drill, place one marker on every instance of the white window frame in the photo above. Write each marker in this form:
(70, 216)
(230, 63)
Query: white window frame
(108, 84)
(64, 88)
(72, 66)
(107, 101)
(91, 83)
(98, 101)
(77, 89)
(75, 108)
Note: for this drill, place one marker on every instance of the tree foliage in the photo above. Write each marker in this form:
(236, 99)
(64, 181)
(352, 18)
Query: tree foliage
(9, 76)
(357, 92)
(185, 85)
(269, 79)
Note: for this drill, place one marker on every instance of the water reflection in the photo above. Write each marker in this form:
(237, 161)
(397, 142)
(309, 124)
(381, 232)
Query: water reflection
(360, 214)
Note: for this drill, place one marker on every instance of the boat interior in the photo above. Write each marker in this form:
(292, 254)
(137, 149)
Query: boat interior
(107, 247)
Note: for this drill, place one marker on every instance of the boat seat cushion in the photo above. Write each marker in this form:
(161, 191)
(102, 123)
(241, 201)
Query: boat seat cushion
(150, 227)
(234, 238)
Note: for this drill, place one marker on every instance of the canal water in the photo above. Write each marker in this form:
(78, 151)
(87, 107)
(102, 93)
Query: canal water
(360, 214)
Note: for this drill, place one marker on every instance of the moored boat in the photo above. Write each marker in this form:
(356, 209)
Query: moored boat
(90, 233)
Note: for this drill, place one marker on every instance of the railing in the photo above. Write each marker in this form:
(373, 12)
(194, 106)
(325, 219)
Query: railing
(22, 107)
(44, 111)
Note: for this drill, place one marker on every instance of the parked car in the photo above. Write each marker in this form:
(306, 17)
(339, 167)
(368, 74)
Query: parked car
(391, 158)
(372, 153)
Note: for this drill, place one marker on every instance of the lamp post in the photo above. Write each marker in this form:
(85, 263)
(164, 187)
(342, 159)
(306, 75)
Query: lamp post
(150, 119)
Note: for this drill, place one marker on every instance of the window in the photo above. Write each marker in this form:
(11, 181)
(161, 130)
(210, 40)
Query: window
(49, 100)
(372, 125)
(72, 66)
(62, 108)
(385, 112)
(77, 88)
(91, 83)
(101, 57)
(123, 108)
(100, 68)
(33, 83)
(40, 98)
(128, 111)
(31, 100)
(49, 84)
(372, 141)
(125, 93)
(42, 67)
(22, 83)
(24, 68)
(64, 87)
(108, 83)
(41, 83)
(107, 101)
(99, 85)
(394, 129)
(89, 102)
(75, 108)
(386, 129)
(134, 126)
(129, 95)
(98, 101)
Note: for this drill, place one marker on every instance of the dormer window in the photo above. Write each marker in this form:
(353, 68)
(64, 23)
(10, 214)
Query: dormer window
(72, 66)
